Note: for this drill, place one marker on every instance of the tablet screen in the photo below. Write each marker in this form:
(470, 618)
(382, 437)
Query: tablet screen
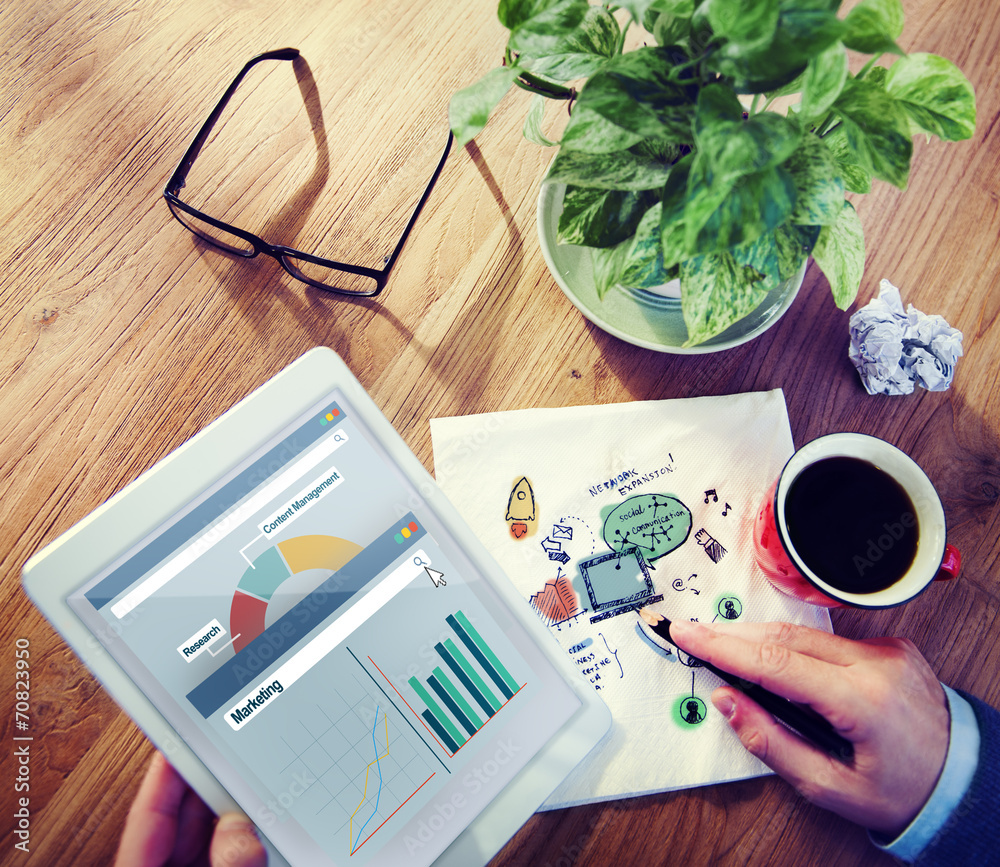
(319, 639)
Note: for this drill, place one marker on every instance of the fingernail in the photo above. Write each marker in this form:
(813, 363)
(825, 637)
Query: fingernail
(724, 705)
(682, 628)
(235, 822)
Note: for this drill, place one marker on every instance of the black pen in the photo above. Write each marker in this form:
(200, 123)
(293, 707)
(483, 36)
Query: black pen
(811, 726)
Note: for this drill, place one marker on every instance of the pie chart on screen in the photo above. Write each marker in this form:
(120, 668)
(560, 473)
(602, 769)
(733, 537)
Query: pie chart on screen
(271, 569)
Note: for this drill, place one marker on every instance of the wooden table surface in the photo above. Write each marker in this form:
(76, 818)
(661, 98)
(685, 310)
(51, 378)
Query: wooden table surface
(122, 336)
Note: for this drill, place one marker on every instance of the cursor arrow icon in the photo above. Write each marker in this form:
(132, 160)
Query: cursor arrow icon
(435, 576)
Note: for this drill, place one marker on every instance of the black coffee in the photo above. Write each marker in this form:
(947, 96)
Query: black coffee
(852, 524)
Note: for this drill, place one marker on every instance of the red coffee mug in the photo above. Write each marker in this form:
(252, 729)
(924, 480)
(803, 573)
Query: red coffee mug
(785, 569)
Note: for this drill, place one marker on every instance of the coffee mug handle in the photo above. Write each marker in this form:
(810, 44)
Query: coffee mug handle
(951, 565)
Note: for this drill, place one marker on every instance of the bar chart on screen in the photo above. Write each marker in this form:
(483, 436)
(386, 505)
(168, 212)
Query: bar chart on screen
(464, 684)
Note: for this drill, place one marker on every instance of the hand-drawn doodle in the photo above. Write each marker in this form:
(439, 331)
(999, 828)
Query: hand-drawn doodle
(655, 523)
(614, 653)
(666, 653)
(521, 513)
(562, 536)
(617, 582)
(592, 665)
(726, 510)
(682, 584)
(555, 551)
(711, 493)
(686, 659)
(729, 608)
(556, 601)
(711, 545)
(690, 710)
(570, 538)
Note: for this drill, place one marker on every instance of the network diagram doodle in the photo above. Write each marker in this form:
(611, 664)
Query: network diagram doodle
(654, 523)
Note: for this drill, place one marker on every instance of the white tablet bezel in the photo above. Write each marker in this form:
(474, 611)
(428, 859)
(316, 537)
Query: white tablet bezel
(89, 547)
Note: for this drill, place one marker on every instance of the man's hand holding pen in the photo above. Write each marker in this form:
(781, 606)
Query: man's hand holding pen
(878, 693)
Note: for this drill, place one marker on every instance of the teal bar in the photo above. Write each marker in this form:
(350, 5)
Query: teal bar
(435, 709)
(449, 703)
(469, 676)
(441, 733)
(487, 651)
(458, 698)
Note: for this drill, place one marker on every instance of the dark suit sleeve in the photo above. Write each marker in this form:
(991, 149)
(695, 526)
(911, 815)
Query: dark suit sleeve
(970, 835)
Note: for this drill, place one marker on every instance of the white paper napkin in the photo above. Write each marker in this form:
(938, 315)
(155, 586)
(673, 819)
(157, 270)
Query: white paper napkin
(561, 497)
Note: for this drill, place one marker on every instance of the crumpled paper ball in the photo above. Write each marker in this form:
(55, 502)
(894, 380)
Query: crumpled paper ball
(895, 351)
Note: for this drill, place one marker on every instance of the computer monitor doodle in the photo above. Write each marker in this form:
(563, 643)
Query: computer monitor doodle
(617, 582)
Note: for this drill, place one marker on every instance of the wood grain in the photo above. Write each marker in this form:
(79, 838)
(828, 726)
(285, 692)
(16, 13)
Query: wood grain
(122, 336)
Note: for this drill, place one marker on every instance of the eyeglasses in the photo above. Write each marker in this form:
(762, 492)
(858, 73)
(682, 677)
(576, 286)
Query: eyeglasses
(326, 274)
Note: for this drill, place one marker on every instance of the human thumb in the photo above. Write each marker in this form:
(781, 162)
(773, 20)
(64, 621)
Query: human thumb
(235, 843)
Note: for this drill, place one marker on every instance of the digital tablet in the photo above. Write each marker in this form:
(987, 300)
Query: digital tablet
(307, 629)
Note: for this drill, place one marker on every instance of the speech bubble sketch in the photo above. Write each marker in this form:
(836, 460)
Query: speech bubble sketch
(654, 523)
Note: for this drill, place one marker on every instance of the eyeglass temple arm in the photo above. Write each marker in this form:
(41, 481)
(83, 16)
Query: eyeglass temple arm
(180, 174)
(391, 259)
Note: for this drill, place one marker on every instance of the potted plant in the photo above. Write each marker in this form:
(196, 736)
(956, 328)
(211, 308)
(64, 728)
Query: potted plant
(676, 159)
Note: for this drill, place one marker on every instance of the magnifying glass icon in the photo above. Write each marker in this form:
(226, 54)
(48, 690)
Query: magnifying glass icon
(420, 561)
(339, 438)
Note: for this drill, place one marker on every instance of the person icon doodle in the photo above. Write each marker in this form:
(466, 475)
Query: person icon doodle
(692, 712)
(730, 608)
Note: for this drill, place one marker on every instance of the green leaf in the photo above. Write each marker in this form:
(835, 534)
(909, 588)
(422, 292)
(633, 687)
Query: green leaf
(609, 262)
(677, 9)
(819, 189)
(792, 247)
(537, 30)
(636, 92)
(622, 170)
(732, 147)
(793, 86)
(590, 132)
(673, 227)
(716, 291)
(873, 26)
(513, 13)
(744, 21)
(644, 266)
(823, 81)
(840, 254)
(470, 108)
(580, 53)
(936, 96)
(877, 129)
(802, 33)
(601, 218)
(670, 29)
(636, 8)
(857, 178)
(823, 5)
(532, 130)
(719, 219)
